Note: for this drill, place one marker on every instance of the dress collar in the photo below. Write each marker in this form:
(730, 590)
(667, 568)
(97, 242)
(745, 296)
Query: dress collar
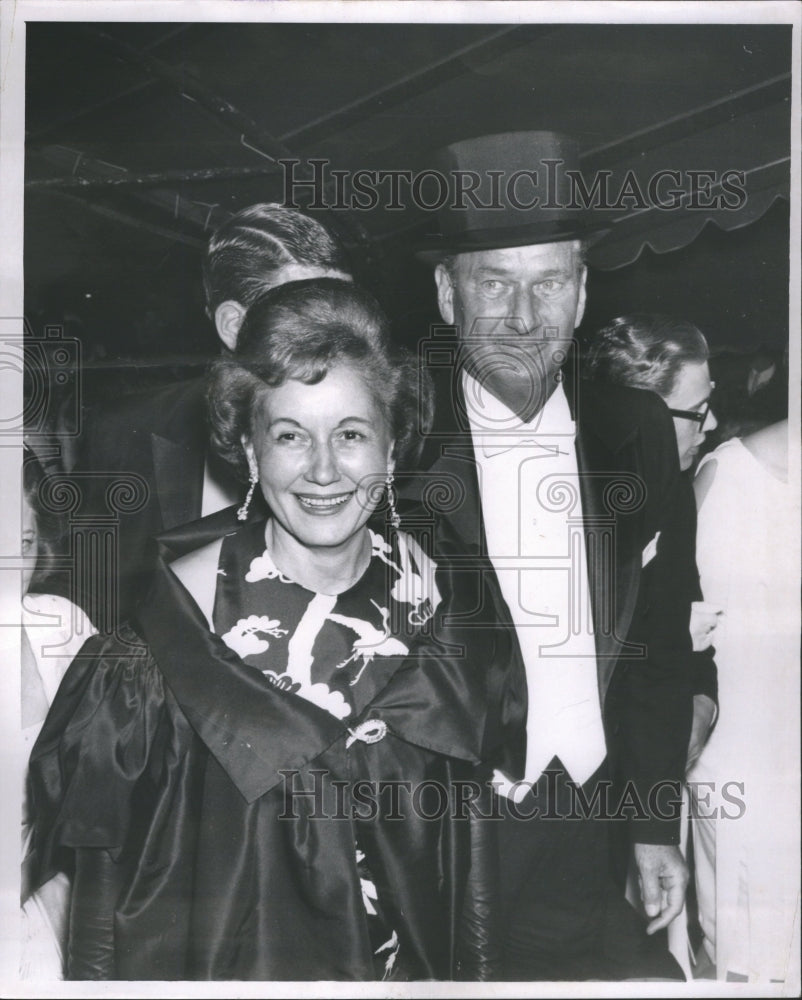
(255, 731)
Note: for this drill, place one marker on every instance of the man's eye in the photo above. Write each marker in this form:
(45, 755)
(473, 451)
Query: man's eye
(492, 287)
(550, 285)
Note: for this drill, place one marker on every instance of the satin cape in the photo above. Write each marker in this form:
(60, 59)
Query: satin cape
(233, 806)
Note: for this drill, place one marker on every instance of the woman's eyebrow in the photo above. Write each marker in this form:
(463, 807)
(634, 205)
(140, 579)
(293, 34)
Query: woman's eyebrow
(284, 420)
(701, 401)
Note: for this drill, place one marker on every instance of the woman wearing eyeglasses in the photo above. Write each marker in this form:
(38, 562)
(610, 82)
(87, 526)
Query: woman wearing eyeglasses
(669, 356)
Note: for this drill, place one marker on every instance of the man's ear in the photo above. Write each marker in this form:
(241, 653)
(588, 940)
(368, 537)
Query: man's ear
(445, 293)
(580, 305)
(228, 317)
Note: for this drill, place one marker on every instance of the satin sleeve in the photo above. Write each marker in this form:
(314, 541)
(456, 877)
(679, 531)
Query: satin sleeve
(461, 689)
(97, 761)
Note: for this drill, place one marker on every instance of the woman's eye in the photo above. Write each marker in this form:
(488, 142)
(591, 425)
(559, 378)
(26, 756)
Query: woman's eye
(293, 439)
(351, 435)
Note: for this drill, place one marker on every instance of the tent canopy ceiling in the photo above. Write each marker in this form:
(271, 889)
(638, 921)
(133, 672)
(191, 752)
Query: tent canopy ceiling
(140, 136)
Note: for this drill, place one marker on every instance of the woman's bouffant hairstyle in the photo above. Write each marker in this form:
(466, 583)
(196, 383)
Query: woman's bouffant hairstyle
(48, 525)
(645, 351)
(301, 330)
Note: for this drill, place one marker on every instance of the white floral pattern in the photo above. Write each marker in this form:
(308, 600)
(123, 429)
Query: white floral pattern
(371, 642)
(392, 947)
(317, 646)
(416, 583)
(244, 639)
(414, 587)
(319, 694)
(263, 568)
(382, 549)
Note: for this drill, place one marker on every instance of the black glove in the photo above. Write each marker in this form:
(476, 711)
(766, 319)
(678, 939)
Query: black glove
(479, 948)
(95, 889)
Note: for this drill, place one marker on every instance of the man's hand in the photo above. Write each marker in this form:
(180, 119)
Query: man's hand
(704, 620)
(704, 712)
(663, 878)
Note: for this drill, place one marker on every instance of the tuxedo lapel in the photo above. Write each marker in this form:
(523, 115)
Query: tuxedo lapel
(613, 497)
(178, 453)
(449, 486)
(178, 474)
(611, 490)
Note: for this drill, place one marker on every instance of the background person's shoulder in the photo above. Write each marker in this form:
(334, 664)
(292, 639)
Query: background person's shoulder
(621, 408)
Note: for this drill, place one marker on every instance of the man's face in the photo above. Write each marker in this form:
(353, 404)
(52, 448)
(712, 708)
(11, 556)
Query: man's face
(516, 310)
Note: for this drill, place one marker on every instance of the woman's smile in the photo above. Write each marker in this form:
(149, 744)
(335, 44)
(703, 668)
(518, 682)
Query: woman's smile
(317, 505)
(322, 450)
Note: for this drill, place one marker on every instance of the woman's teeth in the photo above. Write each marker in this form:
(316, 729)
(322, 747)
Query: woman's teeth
(322, 502)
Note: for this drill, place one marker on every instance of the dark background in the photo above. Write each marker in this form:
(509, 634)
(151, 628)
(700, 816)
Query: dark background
(151, 104)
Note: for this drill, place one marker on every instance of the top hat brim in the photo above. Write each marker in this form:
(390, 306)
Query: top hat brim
(432, 249)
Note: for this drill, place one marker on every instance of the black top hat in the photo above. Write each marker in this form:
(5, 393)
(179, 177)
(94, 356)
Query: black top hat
(509, 190)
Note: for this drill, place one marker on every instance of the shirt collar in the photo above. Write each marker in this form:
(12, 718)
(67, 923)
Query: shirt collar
(496, 429)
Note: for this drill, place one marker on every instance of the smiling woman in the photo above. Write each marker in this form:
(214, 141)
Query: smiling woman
(316, 475)
(302, 686)
(318, 409)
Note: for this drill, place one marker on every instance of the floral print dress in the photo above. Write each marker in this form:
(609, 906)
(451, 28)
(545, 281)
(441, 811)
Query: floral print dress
(323, 647)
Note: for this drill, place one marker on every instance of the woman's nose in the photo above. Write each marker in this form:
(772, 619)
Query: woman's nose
(710, 423)
(322, 468)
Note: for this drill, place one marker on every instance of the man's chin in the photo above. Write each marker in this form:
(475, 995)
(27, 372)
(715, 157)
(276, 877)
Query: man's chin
(520, 395)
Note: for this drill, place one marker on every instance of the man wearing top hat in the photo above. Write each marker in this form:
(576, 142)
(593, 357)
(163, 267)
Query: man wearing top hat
(570, 490)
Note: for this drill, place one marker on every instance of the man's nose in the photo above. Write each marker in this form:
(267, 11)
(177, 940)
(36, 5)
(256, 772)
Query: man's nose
(525, 315)
(322, 468)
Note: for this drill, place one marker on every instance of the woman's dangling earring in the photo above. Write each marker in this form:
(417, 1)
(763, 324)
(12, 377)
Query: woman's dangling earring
(253, 479)
(395, 519)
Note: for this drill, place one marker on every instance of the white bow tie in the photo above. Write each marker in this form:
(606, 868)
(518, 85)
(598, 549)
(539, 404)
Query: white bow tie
(552, 444)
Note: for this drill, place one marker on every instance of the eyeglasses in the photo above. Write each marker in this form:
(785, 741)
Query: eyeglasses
(698, 415)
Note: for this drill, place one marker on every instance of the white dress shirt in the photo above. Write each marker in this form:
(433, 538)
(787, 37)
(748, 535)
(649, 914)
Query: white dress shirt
(532, 510)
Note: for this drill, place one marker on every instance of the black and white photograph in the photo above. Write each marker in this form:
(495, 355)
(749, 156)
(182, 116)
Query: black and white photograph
(400, 442)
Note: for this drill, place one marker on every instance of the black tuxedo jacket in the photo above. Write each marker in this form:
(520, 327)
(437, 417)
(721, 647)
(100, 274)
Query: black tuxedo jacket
(631, 489)
(140, 470)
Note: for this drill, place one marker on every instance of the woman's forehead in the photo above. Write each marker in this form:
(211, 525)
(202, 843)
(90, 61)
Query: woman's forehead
(343, 388)
(692, 384)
